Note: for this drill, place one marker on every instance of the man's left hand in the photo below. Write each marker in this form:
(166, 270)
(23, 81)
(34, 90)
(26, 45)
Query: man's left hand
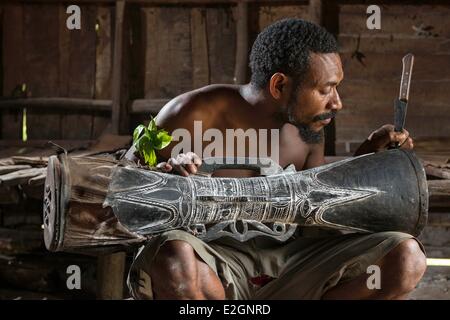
(383, 138)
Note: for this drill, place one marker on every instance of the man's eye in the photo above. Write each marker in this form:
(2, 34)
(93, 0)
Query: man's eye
(327, 90)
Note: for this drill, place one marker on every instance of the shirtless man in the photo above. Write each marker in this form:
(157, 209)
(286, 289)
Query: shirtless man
(295, 74)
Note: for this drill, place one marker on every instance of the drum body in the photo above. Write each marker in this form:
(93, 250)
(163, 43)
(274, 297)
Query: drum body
(73, 213)
(386, 191)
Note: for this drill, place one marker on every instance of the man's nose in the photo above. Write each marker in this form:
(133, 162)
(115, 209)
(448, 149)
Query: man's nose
(335, 102)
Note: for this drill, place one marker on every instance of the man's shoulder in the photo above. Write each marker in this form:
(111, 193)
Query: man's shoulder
(206, 100)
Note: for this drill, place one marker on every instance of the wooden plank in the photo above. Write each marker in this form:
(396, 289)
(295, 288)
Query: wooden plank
(388, 66)
(119, 92)
(168, 56)
(242, 51)
(270, 14)
(103, 64)
(64, 53)
(82, 55)
(78, 125)
(221, 29)
(45, 272)
(110, 273)
(357, 127)
(136, 43)
(13, 73)
(41, 53)
(12, 168)
(152, 44)
(58, 103)
(36, 161)
(14, 241)
(176, 64)
(21, 176)
(43, 146)
(199, 44)
(103, 67)
(431, 146)
(147, 105)
(385, 43)
(169, 2)
(438, 173)
(9, 195)
(353, 19)
(369, 92)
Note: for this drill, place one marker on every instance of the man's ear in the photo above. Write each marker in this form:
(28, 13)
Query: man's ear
(278, 85)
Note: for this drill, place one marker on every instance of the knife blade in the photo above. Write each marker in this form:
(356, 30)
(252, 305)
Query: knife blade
(401, 104)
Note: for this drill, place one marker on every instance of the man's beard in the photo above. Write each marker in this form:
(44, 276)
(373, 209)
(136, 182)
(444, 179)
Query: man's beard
(308, 135)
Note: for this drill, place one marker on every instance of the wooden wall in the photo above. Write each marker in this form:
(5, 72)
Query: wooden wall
(177, 47)
(53, 61)
(371, 85)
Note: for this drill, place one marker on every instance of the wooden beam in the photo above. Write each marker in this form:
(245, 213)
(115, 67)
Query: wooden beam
(110, 272)
(57, 103)
(439, 193)
(168, 2)
(110, 276)
(242, 35)
(315, 11)
(147, 105)
(136, 106)
(119, 90)
(66, 144)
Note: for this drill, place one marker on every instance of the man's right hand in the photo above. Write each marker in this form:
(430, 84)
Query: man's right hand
(184, 164)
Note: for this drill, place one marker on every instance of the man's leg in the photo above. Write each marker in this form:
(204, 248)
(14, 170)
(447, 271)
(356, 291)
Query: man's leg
(401, 270)
(178, 273)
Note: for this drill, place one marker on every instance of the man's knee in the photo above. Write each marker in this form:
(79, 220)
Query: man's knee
(174, 271)
(407, 264)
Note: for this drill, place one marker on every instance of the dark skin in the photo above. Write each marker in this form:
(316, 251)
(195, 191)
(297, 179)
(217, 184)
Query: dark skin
(178, 273)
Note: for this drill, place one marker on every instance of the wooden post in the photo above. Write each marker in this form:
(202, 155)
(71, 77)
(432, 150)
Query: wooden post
(111, 267)
(119, 84)
(110, 276)
(315, 11)
(326, 15)
(242, 30)
(199, 45)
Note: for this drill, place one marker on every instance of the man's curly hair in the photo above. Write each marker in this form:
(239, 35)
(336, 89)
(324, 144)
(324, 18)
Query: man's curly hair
(285, 46)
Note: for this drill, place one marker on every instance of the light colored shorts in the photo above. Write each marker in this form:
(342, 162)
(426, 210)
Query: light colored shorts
(262, 268)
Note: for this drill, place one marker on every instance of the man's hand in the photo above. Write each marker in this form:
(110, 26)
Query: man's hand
(383, 138)
(184, 164)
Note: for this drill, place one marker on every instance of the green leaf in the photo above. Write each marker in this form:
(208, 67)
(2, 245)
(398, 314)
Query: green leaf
(164, 139)
(148, 139)
(150, 157)
(146, 150)
(137, 132)
(142, 144)
(152, 125)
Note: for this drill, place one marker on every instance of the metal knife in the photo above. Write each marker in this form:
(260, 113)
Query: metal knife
(401, 104)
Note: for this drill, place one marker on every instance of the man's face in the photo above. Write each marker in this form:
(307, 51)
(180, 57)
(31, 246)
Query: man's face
(316, 102)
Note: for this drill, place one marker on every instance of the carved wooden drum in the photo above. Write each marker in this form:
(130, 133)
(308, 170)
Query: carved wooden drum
(97, 202)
